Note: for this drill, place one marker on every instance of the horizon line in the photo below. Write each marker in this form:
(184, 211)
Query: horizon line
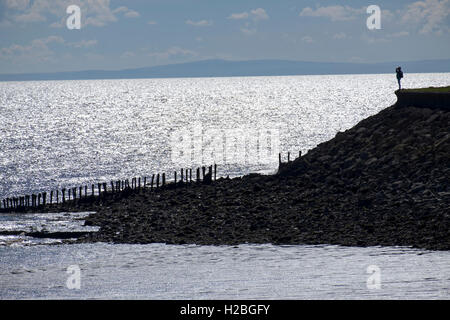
(221, 60)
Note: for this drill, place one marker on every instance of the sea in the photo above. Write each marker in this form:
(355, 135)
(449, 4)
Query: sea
(65, 134)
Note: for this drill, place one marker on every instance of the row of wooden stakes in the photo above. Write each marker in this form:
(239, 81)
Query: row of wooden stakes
(157, 181)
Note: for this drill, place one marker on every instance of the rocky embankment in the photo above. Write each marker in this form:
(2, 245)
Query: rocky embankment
(383, 182)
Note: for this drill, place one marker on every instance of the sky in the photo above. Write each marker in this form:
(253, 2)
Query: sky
(113, 35)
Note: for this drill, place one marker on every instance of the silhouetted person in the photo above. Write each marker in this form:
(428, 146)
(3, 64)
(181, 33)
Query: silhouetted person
(399, 72)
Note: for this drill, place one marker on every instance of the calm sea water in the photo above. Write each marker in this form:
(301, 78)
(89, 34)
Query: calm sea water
(56, 134)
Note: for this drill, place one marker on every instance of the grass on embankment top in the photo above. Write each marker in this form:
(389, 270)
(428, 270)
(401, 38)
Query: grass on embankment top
(430, 89)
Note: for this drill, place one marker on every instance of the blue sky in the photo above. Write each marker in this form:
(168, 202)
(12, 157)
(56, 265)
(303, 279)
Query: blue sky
(138, 33)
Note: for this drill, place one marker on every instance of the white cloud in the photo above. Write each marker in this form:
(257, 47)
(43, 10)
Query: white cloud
(259, 14)
(255, 14)
(152, 22)
(429, 15)
(335, 13)
(201, 23)
(238, 16)
(128, 13)
(94, 12)
(36, 51)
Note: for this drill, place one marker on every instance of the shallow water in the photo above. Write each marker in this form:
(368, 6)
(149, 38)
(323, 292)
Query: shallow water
(158, 271)
(40, 222)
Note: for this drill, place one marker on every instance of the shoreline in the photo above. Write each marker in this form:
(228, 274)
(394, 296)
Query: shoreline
(384, 182)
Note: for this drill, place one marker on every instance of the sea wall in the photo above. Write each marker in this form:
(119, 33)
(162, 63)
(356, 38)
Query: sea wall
(432, 100)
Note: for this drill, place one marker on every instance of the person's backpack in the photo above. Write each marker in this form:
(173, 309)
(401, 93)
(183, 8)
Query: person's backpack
(400, 74)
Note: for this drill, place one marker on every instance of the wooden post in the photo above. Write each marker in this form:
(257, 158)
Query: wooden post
(198, 174)
(215, 172)
(139, 184)
(69, 192)
(99, 185)
(182, 179)
(204, 172)
(4, 204)
(85, 191)
(44, 198)
(300, 154)
(81, 189)
(51, 197)
(57, 196)
(93, 192)
(105, 187)
(289, 156)
(157, 181)
(39, 199)
(33, 200)
(74, 192)
(279, 158)
(175, 177)
(153, 178)
(164, 179)
(190, 175)
(145, 182)
(112, 186)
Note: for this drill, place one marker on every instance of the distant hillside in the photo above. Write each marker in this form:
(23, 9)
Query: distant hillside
(224, 68)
